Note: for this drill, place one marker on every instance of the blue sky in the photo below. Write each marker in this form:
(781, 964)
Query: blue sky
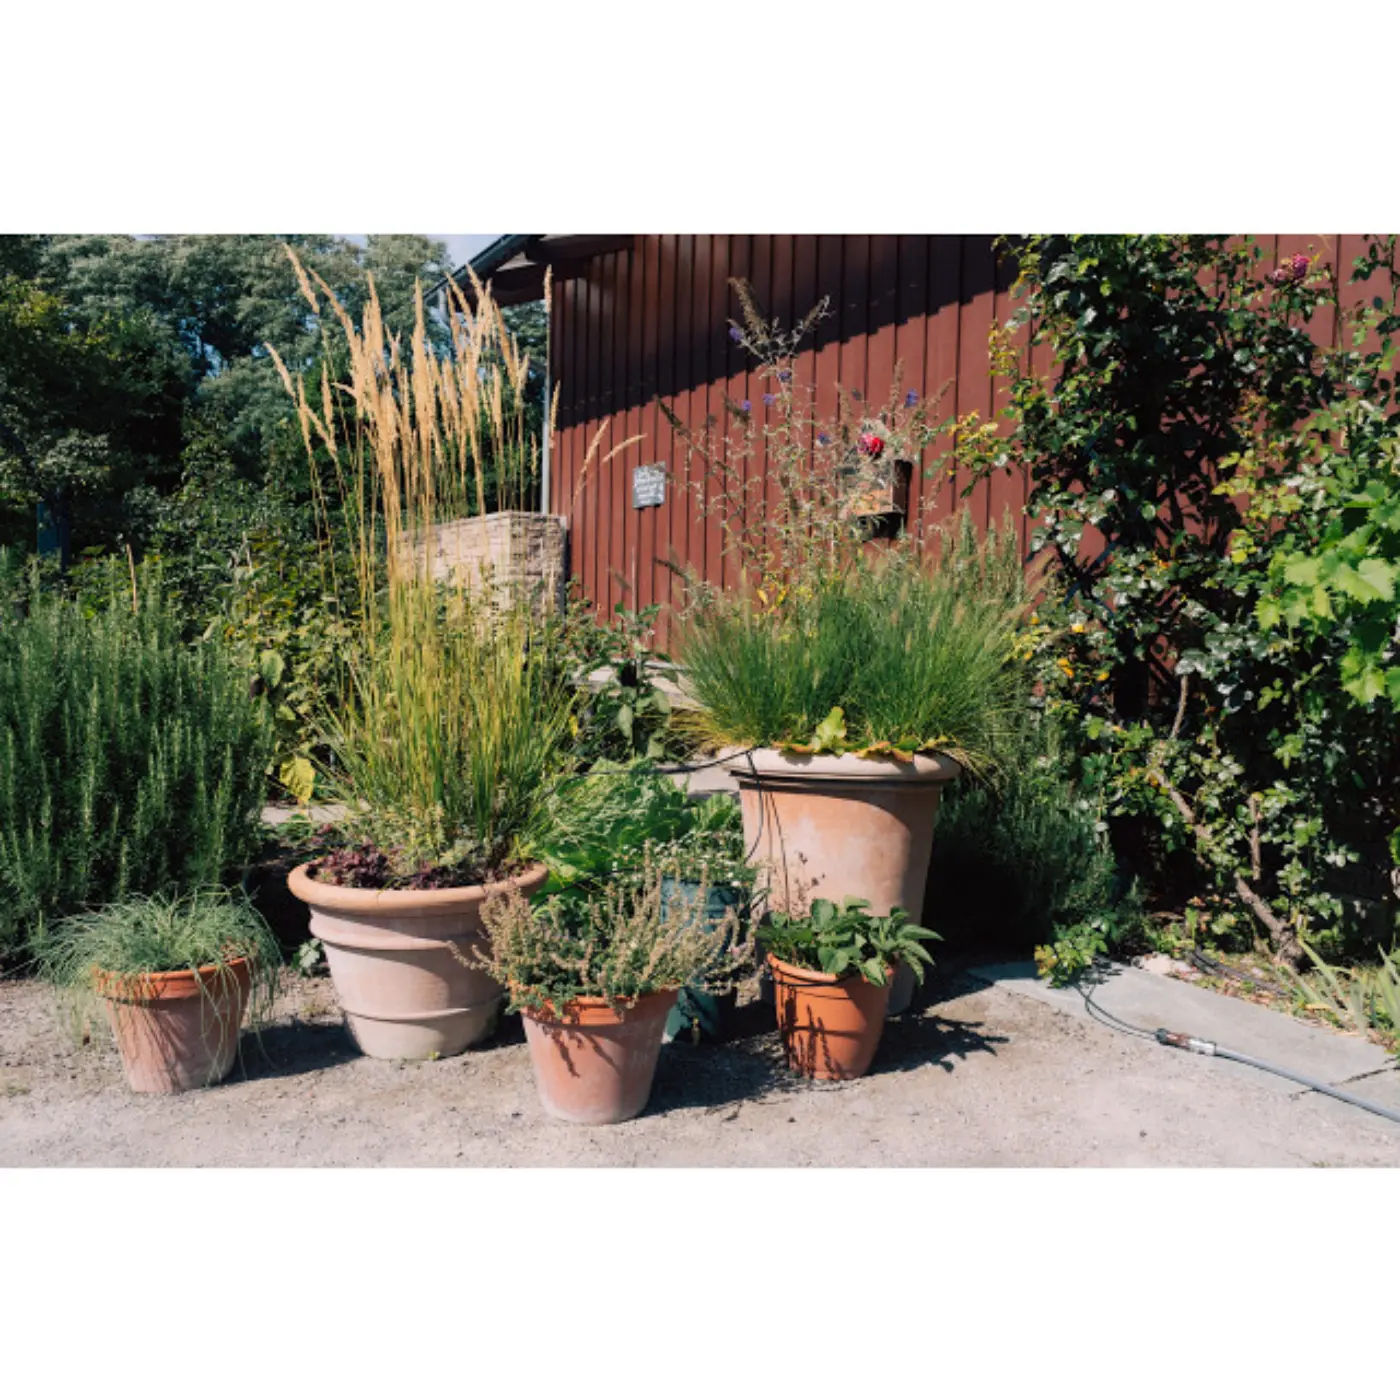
(460, 246)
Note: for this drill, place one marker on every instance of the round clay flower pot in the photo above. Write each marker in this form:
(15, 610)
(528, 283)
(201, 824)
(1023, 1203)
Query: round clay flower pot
(402, 962)
(835, 826)
(593, 1062)
(176, 1030)
(830, 1025)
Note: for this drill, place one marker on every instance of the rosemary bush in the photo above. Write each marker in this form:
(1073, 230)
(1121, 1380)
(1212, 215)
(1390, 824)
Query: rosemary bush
(895, 656)
(130, 762)
(620, 944)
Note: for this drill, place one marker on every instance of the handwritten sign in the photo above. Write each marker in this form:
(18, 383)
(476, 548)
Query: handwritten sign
(649, 485)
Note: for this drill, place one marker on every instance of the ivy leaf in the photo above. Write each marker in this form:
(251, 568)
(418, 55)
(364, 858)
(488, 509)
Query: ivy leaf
(1368, 584)
(1379, 575)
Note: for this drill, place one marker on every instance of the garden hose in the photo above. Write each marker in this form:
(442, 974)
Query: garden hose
(1179, 1040)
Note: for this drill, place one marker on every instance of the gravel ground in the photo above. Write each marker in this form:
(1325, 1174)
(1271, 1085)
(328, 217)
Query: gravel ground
(976, 1077)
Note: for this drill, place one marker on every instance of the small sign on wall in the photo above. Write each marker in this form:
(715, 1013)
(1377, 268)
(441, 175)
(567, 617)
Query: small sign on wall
(649, 485)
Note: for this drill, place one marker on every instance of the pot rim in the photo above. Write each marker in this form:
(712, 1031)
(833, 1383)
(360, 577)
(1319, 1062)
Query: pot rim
(599, 1011)
(120, 986)
(780, 765)
(320, 894)
(791, 973)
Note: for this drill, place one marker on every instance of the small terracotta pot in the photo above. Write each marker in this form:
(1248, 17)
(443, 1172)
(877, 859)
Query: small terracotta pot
(830, 1025)
(401, 962)
(176, 1030)
(594, 1063)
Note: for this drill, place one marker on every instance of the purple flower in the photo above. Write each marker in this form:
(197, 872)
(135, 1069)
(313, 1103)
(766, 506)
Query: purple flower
(770, 399)
(784, 375)
(823, 439)
(735, 334)
(746, 406)
(911, 398)
(857, 396)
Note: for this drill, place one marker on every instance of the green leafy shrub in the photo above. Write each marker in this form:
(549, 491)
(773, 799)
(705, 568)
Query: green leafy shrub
(896, 656)
(847, 938)
(1211, 472)
(1025, 861)
(130, 761)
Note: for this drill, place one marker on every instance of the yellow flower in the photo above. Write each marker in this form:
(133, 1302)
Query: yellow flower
(1035, 617)
(1077, 627)
(1101, 676)
(1064, 665)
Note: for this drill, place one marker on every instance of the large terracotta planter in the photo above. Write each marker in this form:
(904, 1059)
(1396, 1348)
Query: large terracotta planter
(176, 1030)
(834, 825)
(594, 1063)
(830, 1026)
(401, 962)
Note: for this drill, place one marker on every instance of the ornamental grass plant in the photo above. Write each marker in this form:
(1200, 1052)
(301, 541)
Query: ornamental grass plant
(130, 761)
(119, 946)
(456, 717)
(898, 654)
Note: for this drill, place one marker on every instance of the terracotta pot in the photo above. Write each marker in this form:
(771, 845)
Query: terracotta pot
(834, 825)
(830, 1025)
(176, 1030)
(400, 962)
(594, 1063)
(830, 826)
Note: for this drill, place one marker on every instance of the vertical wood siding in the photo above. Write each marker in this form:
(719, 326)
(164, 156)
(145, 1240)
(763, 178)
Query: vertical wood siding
(652, 322)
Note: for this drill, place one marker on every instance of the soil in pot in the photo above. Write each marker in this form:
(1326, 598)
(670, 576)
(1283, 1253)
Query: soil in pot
(177, 1030)
(595, 1063)
(402, 962)
(830, 1026)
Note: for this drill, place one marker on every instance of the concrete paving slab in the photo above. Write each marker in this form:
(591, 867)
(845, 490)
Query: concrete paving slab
(1149, 1000)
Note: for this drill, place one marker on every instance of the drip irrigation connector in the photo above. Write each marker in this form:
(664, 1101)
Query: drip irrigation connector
(1181, 1041)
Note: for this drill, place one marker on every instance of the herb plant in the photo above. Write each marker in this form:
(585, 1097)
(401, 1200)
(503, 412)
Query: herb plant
(847, 939)
(130, 761)
(619, 944)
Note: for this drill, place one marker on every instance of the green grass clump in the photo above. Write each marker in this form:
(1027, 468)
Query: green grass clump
(899, 654)
(130, 761)
(145, 934)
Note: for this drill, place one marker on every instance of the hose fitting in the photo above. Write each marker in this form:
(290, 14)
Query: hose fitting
(1182, 1041)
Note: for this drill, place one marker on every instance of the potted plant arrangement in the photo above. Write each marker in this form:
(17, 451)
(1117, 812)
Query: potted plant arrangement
(176, 976)
(454, 721)
(832, 970)
(605, 823)
(594, 976)
(851, 686)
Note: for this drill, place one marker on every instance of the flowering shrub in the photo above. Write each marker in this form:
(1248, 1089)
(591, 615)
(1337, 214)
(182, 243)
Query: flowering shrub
(1215, 491)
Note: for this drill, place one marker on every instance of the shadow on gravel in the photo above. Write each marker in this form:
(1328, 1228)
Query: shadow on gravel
(720, 1076)
(296, 1047)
